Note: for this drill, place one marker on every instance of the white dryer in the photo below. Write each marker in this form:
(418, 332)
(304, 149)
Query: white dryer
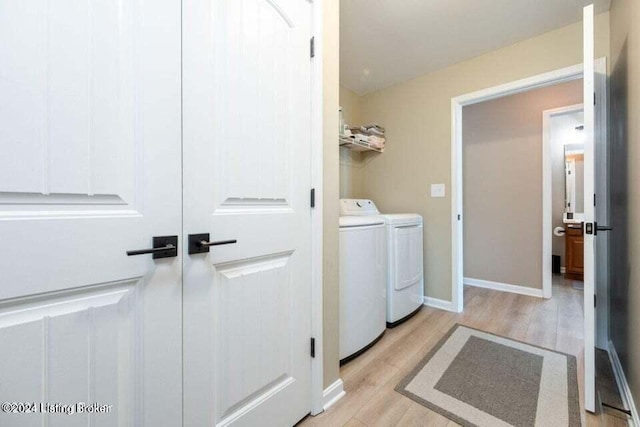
(405, 283)
(363, 277)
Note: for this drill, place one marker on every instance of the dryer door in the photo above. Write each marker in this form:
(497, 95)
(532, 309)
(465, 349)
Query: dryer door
(407, 255)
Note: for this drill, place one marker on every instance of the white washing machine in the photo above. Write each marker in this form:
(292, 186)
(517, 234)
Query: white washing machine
(363, 278)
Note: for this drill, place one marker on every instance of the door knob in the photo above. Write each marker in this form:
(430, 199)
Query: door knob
(199, 243)
(163, 247)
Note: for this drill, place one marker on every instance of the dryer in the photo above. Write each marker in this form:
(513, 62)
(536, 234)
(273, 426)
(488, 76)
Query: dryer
(405, 271)
(363, 277)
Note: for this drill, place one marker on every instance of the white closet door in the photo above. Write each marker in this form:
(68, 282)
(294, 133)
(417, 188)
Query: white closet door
(247, 305)
(90, 168)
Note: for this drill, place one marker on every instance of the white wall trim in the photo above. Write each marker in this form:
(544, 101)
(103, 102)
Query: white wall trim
(541, 80)
(623, 385)
(504, 287)
(332, 394)
(317, 95)
(439, 304)
(547, 194)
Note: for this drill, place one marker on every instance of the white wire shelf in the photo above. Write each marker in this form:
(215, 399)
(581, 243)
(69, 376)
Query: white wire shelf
(353, 145)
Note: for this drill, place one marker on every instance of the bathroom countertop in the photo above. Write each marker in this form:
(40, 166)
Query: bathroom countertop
(572, 221)
(577, 219)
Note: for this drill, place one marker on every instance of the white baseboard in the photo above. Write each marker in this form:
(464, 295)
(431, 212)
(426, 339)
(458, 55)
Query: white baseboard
(332, 394)
(439, 303)
(503, 287)
(623, 385)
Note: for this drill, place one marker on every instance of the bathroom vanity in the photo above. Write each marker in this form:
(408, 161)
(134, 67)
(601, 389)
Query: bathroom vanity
(574, 251)
(573, 217)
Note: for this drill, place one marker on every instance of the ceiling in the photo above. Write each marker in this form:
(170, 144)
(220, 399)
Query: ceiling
(383, 42)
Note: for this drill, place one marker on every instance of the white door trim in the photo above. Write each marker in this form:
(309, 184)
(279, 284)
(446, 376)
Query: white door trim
(541, 80)
(547, 200)
(317, 386)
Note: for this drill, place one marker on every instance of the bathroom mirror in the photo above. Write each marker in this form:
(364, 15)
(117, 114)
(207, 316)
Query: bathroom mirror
(574, 178)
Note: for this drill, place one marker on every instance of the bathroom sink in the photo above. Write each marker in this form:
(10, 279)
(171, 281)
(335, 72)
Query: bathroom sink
(577, 218)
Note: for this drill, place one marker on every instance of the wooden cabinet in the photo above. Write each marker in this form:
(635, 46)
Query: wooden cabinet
(574, 252)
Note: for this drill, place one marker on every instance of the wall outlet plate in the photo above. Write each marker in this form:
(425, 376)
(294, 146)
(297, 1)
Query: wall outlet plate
(437, 190)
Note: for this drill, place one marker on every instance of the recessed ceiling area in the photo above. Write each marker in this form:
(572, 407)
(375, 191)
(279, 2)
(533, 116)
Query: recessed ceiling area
(384, 42)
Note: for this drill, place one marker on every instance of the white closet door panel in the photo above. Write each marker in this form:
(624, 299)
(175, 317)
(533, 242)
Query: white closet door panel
(247, 85)
(83, 347)
(69, 95)
(21, 374)
(23, 81)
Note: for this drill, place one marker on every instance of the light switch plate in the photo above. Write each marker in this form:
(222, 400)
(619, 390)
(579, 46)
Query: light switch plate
(437, 190)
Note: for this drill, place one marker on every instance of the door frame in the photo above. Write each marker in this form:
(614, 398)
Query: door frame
(561, 75)
(457, 219)
(316, 141)
(547, 194)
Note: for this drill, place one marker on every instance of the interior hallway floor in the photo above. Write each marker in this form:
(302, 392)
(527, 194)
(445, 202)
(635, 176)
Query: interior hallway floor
(369, 380)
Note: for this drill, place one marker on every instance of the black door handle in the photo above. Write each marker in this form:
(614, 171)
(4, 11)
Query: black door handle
(200, 244)
(163, 247)
(601, 228)
(219, 242)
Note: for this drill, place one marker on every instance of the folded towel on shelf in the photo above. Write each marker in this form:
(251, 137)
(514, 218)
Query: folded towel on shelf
(361, 138)
(376, 141)
(371, 135)
(374, 126)
(358, 130)
(375, 132)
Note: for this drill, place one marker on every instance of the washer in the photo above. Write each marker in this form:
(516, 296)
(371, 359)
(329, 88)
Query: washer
(363, 277)
(405, 282)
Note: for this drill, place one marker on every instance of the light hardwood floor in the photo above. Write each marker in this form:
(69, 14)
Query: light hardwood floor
(369, 380)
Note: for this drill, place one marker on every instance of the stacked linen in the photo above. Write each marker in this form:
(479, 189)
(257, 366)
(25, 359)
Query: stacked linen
(358, 133)
(376, 135)
(372, 134)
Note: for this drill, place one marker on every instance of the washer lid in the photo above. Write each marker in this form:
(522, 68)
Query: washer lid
(360, 221)
(403, 219)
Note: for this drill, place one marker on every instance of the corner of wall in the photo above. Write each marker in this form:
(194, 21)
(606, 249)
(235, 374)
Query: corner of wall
(331, 72)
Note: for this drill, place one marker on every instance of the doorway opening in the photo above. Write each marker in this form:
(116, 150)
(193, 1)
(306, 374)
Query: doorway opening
(553, 78)
(563, 197)
(504, 181)
(594, 75)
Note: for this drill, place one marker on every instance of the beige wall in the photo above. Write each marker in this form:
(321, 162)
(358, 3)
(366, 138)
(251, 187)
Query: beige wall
(417, 118)
(502, 181)
(625, 178)
(331, 62)
(350, 103)
(351, 162)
